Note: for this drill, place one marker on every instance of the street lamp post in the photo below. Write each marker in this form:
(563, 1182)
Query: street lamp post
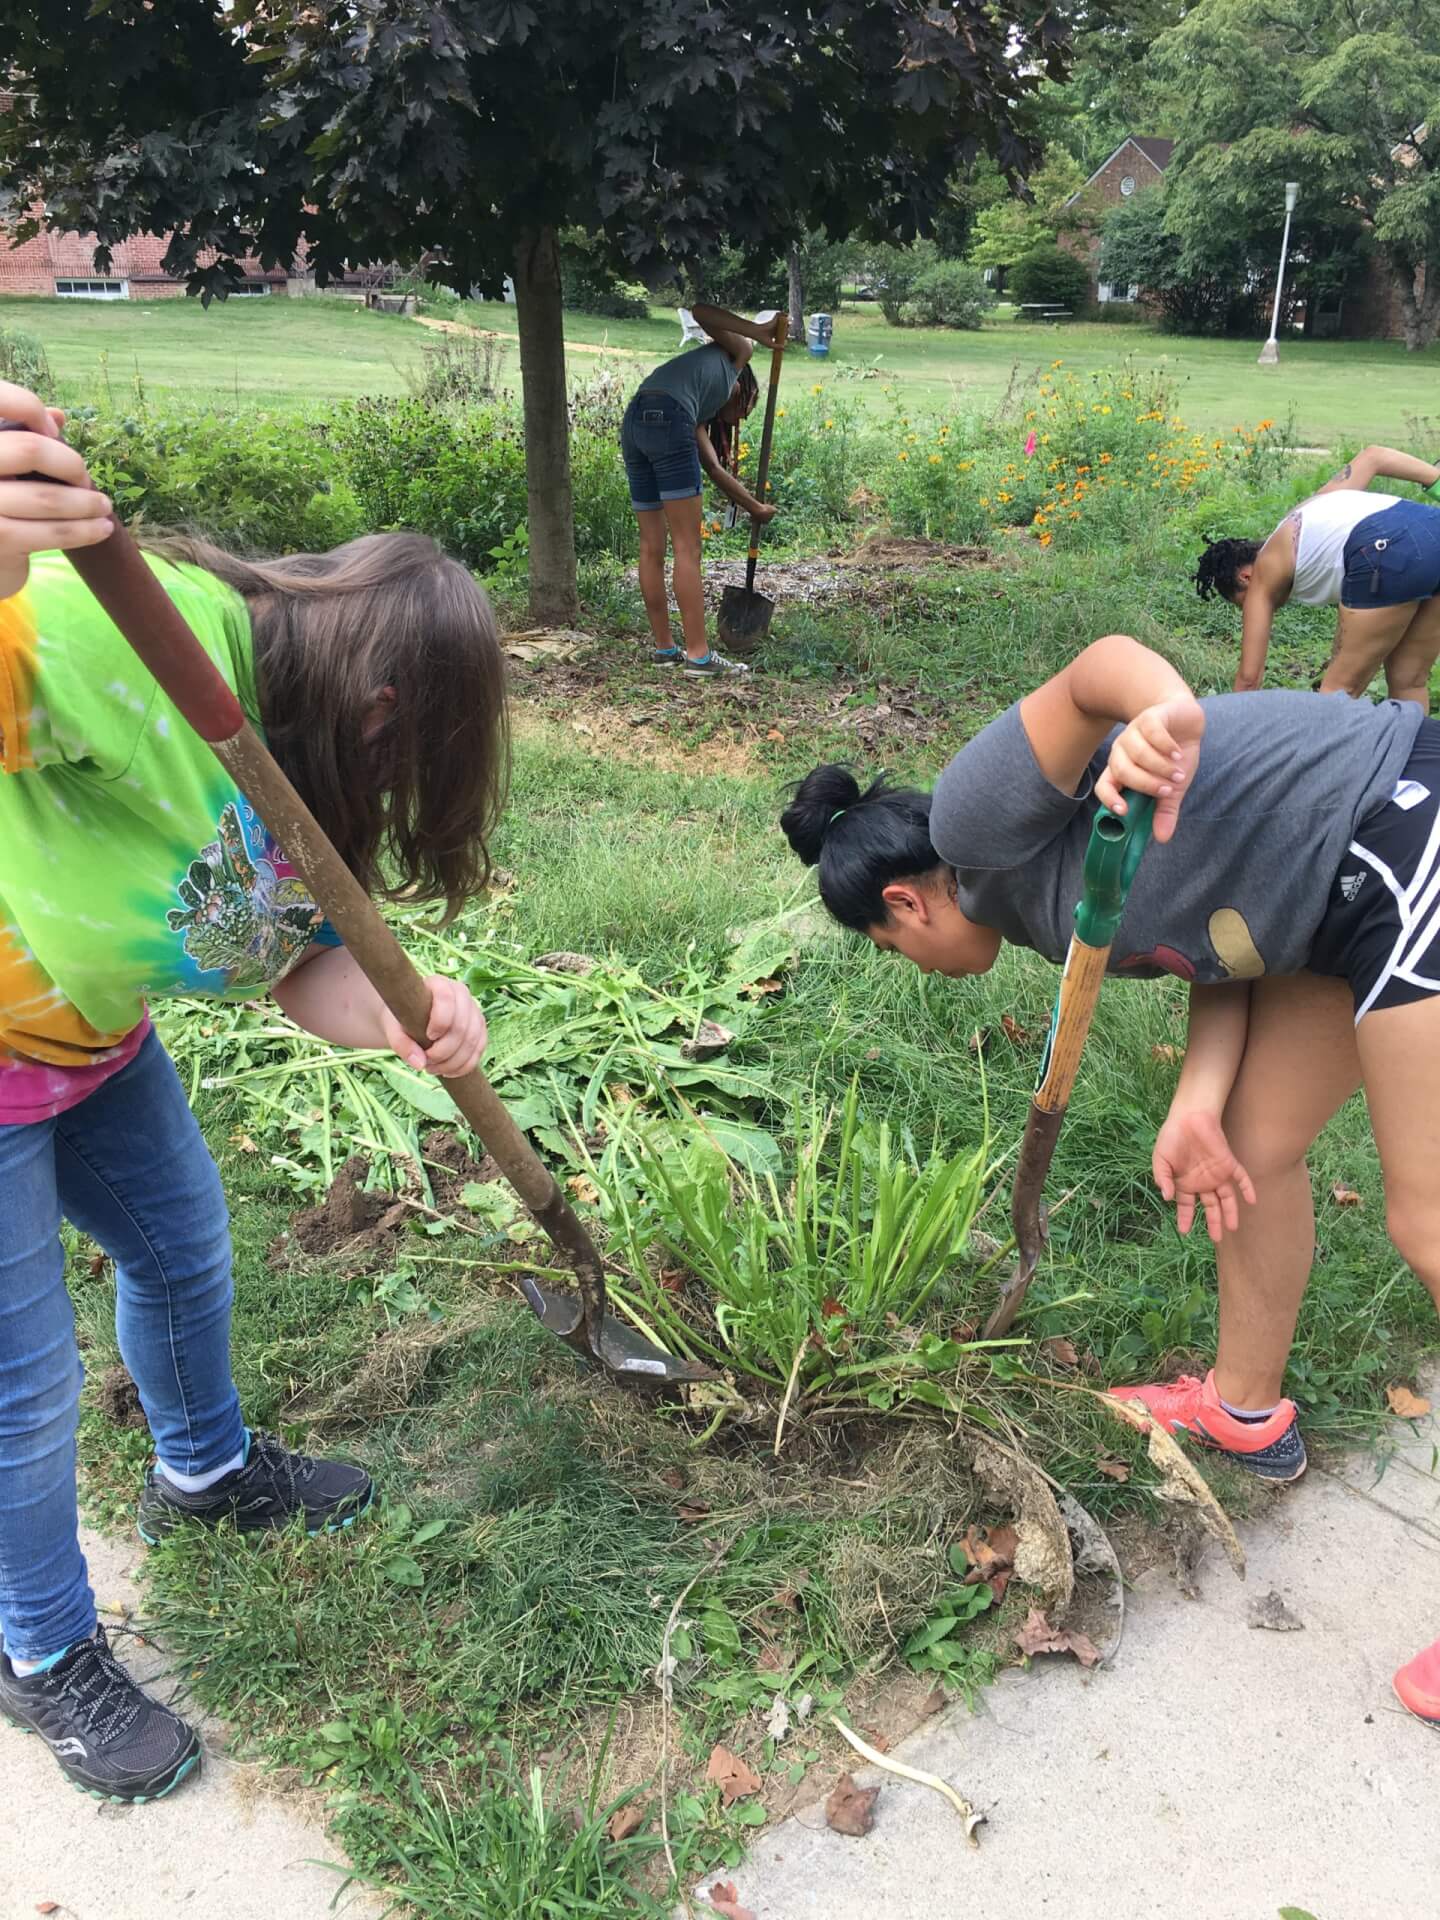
(1270, 352)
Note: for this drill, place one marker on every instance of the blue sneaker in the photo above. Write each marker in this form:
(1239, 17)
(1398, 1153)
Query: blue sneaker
(714, 665)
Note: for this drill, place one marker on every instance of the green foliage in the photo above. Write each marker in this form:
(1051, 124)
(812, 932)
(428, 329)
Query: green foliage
(589, 283)
(895, 271)
(803, 1282)
(1050, 274)
(948, 294)
(1008, 229)
(24, 362)
(1202, 282)
(1342, 103)
(266, 481)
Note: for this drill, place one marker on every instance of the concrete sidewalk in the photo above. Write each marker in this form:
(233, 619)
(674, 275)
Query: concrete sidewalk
(1214, 1772)
(221, 1848)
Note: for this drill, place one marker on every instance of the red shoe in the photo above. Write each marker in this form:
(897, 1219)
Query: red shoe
(1417, 1686)
(1271, 1448)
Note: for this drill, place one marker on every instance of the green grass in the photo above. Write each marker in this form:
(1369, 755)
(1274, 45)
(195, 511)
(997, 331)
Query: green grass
(1338, 393)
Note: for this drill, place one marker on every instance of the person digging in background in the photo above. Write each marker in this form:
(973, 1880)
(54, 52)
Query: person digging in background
(131, 868)
(681, 421)
(1374, 555)
(1291, 880)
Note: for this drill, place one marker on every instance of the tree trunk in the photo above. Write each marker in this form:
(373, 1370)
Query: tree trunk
(797, 297)
(554, 595)
(1419, 287)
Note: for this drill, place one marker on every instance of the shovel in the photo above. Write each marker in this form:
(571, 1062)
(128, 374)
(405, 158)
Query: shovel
(1116, 844)
(745, 614)
(117, 575)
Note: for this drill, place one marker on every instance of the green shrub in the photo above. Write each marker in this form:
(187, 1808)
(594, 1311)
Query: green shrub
(1049, 274)
(589, 284)
(949, 294)
(895, 270)
(24, 361)
(253, 480)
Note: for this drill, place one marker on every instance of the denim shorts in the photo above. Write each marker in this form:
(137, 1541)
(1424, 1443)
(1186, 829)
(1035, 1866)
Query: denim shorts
(657, 442)
(1393, 557)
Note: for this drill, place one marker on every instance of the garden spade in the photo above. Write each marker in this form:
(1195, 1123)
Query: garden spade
(118, 576)
(1116, 844)
(745, 614)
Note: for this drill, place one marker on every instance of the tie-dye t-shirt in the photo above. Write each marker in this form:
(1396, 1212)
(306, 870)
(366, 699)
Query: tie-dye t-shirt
(131, 866)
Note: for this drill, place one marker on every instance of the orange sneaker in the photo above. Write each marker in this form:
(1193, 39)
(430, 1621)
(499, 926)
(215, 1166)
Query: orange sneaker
(1270, 1448)
(1417, 1685)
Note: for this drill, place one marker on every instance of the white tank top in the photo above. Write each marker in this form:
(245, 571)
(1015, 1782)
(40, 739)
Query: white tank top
(1323, 525)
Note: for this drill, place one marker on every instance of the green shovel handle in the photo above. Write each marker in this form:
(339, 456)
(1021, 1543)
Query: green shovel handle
(1433, 492)
(1117, 840)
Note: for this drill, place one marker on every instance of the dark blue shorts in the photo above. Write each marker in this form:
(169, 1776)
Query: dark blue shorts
(1393, 557)
(657, 442)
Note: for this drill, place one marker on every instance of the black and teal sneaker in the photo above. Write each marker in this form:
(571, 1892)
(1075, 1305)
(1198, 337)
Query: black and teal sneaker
(267, 1491)
(714, 665)
(666, 656)
(107, 1735)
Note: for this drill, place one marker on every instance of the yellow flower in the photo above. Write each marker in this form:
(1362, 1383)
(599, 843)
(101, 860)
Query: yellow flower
(1046, 538)
(780, 413)
(1044, 439)
(829, 423)
(1265, 426)
(984, 500)
(963, 466)
(704, 533)
(1056, 363)
(1105, 459)
(934, 459)
(902, 456)
(1104, 409)
(1005, 498)
(817, 388)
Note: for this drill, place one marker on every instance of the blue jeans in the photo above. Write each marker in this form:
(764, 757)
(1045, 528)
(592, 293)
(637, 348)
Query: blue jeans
(657, 444)
(130, 1168)
(1393, 557)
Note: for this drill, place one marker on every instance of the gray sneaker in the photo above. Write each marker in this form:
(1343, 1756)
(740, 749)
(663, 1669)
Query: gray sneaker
(714, 665)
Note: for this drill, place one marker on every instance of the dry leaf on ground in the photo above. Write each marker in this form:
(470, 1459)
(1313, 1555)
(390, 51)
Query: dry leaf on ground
(1038, 1636)
(708, 1039)
(757, 989)
(1180, 1480)
(1060, 1350)
(1162, 1050)
(778, 1724)
(692, 1511)
(724, 1900)
(730, 1773)
(1017, 1035)
(1346, 1197)
(1408, 1405)
(1112, 1468)
(991, 1553)
(851, 1809)
(627, 1820)
(584, 1188)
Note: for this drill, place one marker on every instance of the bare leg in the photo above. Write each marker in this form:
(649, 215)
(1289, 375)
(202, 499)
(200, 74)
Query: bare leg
(1300, 1066)
(683, 517)
(652, 575)
(1400, 1056)
(1407, 671)
(1364, 641)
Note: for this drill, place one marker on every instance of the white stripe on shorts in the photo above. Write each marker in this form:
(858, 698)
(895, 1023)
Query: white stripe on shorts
(1413, 901)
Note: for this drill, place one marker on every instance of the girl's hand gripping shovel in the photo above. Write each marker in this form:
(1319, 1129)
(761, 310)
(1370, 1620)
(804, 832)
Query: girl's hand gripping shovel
(116, 573)
(1116, 844)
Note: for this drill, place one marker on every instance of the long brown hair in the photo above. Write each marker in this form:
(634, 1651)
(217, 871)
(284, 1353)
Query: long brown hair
(410, 809)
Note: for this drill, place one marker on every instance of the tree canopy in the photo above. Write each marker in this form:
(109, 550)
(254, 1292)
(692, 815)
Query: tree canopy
(1342, 96)
(466, 132)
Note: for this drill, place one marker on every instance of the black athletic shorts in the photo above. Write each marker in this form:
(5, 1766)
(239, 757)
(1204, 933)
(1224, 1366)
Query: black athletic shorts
(1381, 929)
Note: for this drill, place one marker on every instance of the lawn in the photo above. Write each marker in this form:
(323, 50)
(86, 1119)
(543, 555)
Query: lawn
(507, 1607)
(295, 352)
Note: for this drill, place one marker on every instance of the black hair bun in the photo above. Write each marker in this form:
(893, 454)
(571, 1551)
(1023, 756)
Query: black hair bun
(824, 792)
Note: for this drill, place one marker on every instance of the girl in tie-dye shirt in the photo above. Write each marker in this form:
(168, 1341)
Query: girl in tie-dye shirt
(133, 869)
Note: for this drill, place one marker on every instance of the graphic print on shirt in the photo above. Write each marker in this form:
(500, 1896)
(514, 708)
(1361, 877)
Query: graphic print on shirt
(244, 913)
(1232, 940)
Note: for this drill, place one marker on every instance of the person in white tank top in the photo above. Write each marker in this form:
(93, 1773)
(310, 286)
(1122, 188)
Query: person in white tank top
(1375, 556)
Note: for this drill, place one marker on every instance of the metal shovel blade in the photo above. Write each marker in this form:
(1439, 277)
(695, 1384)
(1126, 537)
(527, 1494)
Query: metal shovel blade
(744, 619)
(623, 1352)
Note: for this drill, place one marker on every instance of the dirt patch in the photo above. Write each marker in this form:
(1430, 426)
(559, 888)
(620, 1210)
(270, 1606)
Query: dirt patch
(348, 1219)
(387, 1379)
(452, 1167)
(118, 1398)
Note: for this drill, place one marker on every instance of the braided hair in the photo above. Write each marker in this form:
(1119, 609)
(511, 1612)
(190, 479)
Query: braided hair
(723, 436)
(1219, 566)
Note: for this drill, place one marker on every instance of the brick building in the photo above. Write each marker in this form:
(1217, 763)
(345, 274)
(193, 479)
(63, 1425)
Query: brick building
(1138, 162)
(64, 264)
(1369, 309)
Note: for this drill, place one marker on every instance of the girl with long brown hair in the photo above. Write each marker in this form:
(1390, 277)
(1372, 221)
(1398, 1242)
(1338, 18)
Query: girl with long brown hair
(132, 868)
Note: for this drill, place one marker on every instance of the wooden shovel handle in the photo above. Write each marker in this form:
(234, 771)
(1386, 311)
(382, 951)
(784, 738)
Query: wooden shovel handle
(116, 573)
(777, 361)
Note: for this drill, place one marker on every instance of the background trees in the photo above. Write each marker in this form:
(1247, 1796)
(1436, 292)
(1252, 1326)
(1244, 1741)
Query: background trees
(470, 132)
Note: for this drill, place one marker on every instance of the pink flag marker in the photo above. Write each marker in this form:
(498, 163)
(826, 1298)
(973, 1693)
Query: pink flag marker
(1030, 443)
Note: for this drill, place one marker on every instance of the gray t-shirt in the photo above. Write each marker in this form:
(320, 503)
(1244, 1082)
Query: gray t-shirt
(699, 380)
(1283, 781)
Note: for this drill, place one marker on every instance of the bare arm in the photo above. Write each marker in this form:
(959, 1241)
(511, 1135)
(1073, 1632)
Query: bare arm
(1118, 680)
(1193, 1163)
(732, 331)
(329, 996)
(1269, 588)
(1380, 463)
(726, 481)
